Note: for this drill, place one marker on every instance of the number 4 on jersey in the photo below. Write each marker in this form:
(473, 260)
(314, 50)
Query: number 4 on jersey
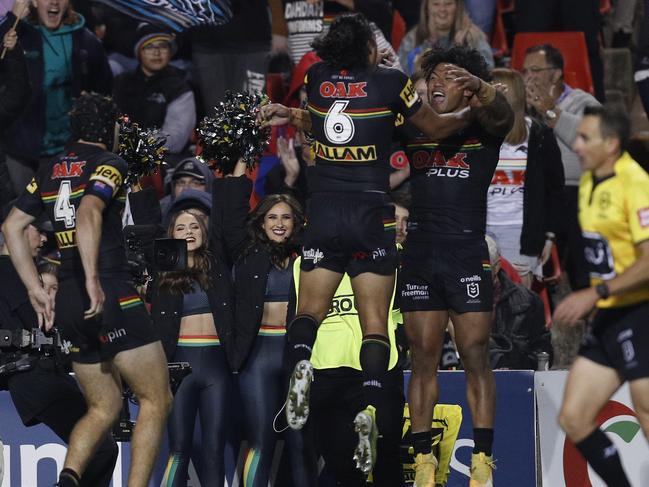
(63, 210)
(338, 126)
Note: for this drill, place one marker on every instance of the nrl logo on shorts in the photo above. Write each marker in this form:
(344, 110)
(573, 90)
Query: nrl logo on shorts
(473, 290)
(316, 255)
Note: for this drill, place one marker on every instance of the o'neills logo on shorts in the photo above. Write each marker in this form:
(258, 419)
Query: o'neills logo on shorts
(474, 278)
(415, 291)
(472, 286)
(316, 255)
(112, 335)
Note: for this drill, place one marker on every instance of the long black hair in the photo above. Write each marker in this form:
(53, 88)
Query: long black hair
(347, 44)
(279, 252)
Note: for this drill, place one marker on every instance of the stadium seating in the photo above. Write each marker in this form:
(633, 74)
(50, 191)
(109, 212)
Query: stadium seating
(573, 48)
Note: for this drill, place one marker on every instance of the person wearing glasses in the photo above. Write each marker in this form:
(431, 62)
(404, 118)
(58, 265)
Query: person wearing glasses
(157, 94)
(560, 106)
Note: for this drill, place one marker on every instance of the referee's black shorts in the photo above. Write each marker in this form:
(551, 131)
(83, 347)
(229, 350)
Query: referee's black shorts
(350, 232)
(619, 338)
(123, 325)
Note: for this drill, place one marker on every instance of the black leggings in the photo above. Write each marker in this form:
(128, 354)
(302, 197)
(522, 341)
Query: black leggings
(259, 386)
(206, 392)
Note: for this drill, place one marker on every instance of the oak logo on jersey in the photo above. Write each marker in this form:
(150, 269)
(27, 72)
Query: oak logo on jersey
(341, 89)
(514, 177)
(68, 169)
(358, 153)
(108, 175)
(32, 186)
(409, 94)
(436, 158)
(66, 239)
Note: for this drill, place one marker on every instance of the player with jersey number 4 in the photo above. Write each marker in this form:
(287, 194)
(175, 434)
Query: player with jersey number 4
(99, 311)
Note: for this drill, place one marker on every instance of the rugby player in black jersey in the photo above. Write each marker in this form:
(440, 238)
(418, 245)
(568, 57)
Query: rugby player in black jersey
(352, 107)
(97, 308)
(445, 264)
(614, 218)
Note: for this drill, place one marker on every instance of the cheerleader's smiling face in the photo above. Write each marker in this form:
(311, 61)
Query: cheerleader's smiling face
(186, 227)
(278, 223)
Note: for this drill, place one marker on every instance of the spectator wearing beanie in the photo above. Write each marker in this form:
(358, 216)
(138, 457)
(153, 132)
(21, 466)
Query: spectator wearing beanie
(189, 174)
(157, 94)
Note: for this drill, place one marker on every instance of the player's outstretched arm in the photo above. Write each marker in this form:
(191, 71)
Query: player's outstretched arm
(89, 221)
(437, 126)
(497, 116)
(275, 114)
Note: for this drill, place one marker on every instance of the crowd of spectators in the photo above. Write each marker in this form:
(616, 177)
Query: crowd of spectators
(167, 80)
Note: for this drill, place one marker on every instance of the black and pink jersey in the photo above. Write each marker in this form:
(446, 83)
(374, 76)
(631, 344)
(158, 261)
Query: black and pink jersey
(449, 182)
(353, 115)
(57, 189)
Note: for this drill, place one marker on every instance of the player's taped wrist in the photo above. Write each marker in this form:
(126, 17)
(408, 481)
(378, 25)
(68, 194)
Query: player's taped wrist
(486, 94)
(299, 118)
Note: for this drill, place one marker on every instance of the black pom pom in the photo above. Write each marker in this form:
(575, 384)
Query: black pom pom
(143, 150)
(233, 132)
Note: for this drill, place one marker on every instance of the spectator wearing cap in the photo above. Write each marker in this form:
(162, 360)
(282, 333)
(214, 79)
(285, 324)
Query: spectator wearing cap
(189, 174)
(157, 94)
(194, 201)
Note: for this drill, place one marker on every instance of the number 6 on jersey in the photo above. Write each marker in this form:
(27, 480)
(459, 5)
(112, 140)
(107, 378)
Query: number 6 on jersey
(338, 126)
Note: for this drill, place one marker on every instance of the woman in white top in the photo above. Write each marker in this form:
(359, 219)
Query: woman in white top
(525, 196)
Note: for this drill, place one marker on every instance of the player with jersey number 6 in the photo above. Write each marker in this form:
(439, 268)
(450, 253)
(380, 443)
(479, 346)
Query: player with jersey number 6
(353, 103)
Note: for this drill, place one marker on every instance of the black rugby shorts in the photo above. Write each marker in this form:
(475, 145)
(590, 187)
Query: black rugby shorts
(124, 324)
(350, 232)
(446, 275)
(619, 338)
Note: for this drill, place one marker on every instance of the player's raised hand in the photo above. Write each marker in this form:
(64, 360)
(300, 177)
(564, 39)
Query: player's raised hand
(463, 78)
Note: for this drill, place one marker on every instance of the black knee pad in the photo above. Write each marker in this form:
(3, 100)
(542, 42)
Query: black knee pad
(375, 355)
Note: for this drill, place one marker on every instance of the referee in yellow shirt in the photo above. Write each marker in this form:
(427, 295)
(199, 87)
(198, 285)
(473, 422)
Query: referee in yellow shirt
(614, 217)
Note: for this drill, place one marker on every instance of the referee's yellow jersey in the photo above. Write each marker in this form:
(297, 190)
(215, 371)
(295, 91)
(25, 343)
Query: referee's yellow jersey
(614, 218)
